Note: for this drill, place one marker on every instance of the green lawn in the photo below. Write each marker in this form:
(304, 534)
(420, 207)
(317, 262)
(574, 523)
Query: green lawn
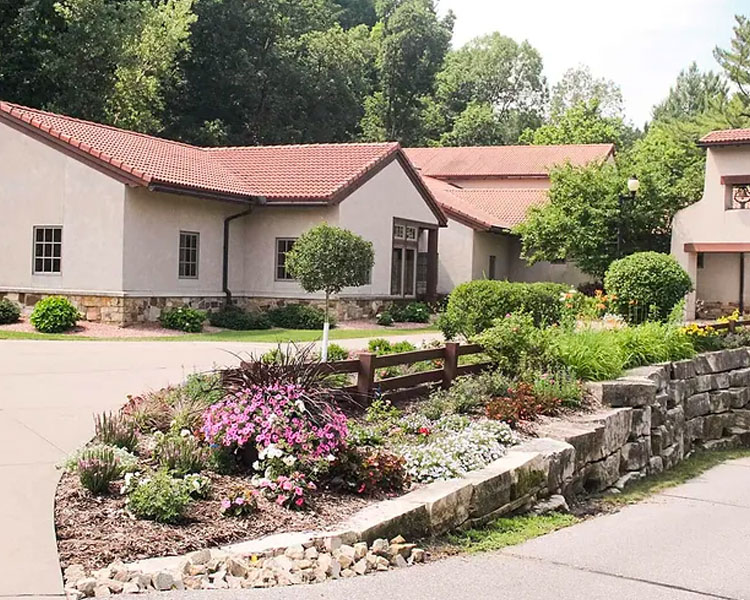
(269, 335)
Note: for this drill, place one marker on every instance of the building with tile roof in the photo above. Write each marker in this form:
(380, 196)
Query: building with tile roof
(485, 192)
(711, 238)
(126, 223)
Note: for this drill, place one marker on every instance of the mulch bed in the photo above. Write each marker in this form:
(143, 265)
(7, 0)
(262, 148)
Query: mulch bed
(96, 531)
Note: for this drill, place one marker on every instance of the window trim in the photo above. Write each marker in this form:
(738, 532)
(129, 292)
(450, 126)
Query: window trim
(197, 255)
(276, 258)
(43, 273)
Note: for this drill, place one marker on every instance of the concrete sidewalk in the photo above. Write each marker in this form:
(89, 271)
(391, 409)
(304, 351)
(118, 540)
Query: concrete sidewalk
(48, 393)
(690, 543)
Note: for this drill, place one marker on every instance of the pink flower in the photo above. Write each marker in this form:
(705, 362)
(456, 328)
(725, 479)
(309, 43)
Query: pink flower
(225, 504)
(299, 501)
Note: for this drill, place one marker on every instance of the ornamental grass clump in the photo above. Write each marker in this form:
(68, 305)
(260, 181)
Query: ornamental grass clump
(97, 468)
(278, 421)
(181, 453)
(116, 430)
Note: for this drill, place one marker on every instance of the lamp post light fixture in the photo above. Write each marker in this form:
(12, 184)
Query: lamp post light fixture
(633, 186)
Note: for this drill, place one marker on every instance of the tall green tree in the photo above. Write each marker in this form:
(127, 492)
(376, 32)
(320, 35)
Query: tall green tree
(493, 84)
(693, 93)
(583, 123)
(736, 60)
(578, 85)
(412, 42)
(351, 13)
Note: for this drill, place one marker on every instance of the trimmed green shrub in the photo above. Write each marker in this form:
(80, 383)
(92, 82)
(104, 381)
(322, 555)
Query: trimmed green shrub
(473, 306)
(298, 316)
(235, 318)
(54, 314)
(414, 312)
(384, 318)
(10, 312)
(513, 342)
(159, 498)
(646, 285)
(183, 318)
(337, 352)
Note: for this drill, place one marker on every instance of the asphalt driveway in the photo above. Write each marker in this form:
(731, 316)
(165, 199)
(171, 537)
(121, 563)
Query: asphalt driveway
(48, 393)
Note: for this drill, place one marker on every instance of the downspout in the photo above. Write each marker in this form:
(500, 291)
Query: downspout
(225, 264)
(742, 284)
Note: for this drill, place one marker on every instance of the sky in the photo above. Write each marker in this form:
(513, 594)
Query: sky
(642, 45)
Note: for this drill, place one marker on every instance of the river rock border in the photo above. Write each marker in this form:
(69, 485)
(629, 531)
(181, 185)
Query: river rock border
(655, 417)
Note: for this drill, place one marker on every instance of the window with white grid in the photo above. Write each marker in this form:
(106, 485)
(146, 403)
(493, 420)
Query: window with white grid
(47, 249)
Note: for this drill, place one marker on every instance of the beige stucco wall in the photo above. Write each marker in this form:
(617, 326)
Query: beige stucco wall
(40, 185)
(455, 252)
(708, 221)
(153, 222)
(369, 211)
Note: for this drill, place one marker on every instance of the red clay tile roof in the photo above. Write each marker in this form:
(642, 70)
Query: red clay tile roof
(486, 208)
(322, 172)
(503, 161)
(726, 137)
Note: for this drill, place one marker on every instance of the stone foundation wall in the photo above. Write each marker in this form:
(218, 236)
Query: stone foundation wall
(714, 310)
(128, 310)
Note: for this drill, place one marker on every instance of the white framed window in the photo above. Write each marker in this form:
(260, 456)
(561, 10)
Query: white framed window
(398, 231)
(47, 250)
(189, 255)
(411, 233)
(283, 246)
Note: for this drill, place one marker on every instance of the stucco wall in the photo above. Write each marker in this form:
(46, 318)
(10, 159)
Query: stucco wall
(488, 244)
(708, 221)
(369, 211)
(153, 222)
(566, 272)
(456, 251)
(40, 185)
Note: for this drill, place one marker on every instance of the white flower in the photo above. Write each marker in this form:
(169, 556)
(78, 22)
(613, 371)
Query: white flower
(300, 406)
(186, 433)
(330, 458)
(289, 460)
(270, 451)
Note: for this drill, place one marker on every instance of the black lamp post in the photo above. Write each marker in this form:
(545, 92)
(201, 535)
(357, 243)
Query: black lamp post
(633, 185)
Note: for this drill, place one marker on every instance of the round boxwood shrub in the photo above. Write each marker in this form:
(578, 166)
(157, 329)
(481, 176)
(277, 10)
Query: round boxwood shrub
(646, 285)
(183, 318)
(10, 312)
(54, 314)
(298, 316)
(233, 317)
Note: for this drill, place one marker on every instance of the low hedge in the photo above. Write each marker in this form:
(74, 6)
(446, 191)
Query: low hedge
(235, 318)
(473, 306)
(298, 316)
(183, 318)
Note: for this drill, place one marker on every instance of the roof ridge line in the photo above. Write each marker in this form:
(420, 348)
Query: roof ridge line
(103, 125)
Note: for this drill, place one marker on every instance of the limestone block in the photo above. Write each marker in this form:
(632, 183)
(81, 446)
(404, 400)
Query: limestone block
(695, 429)
(600, 475)
(494, 485)
(720, 401)
(741, 418)
(697, 405)
(635, 455)
(659, 374)
(683, 369)
(447, 503)
(558, 460)
(739, 397)
(626, 392)
(739, 378)
(641, 422)
(713, 426)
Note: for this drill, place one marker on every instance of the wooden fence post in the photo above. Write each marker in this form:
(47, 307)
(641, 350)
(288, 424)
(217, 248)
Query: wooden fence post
(450, 366)
(365, 373)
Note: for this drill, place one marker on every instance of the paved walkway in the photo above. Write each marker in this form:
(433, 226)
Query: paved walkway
(692, 543)
(48, 392)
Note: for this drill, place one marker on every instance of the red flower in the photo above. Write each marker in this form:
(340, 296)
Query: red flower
(424, 430)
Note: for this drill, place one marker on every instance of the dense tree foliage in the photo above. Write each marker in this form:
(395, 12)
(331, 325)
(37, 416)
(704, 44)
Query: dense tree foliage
(692, 94)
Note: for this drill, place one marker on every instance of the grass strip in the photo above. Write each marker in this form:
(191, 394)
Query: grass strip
(508, 531)
(268, 335)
